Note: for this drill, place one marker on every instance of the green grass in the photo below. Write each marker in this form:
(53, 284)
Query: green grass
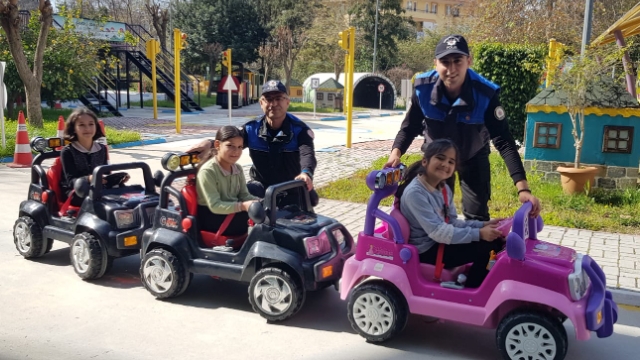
(204, 101)
(50, 128)
(599, 210)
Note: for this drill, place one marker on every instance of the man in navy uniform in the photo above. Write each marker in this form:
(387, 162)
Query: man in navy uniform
(280, 145)
(455, 102)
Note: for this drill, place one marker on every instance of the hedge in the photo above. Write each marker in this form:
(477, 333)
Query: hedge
(517, 69)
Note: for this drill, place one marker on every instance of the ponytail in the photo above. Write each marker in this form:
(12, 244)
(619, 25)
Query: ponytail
(429, 150)
(414, 170)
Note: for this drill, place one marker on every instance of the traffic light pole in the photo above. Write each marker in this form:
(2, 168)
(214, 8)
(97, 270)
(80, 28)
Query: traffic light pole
(153, 49)
(229, 92)
(347, 42)
(178, 38)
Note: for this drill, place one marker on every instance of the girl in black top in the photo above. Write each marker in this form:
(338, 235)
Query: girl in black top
(83, 154)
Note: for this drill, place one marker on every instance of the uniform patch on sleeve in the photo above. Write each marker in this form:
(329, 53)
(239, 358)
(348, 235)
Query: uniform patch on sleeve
(499, 113)
(311, 134)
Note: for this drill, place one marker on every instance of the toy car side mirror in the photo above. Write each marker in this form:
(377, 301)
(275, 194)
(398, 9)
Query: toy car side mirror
(158, 176)
(81, 187)
(256, 213)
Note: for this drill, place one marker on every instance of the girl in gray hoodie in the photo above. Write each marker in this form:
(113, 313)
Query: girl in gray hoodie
(435, 221)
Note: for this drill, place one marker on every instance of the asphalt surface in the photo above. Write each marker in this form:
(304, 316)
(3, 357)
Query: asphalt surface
(47, 312)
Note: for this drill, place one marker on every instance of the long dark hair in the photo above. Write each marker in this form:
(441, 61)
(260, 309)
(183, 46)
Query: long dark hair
(430, 150)
(70, 126)
(225, 133)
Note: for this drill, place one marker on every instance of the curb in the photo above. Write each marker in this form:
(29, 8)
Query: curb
(9, 159)
(362, 116)
(139, 143)
(625, 296)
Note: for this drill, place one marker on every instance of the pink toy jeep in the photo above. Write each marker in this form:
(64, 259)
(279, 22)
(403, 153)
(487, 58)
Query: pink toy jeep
(532, 288)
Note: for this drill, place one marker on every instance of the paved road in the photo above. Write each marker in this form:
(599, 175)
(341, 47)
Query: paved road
(47, 312)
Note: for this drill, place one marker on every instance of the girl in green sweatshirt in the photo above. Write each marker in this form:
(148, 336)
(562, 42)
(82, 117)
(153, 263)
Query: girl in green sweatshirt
(221, 185)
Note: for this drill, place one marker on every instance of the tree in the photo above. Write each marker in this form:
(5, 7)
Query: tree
(322, 52)
(393, 26)
(212, 50)
(72, 60)
(586, 82)
(538, 21)
(160, 19)
(31, 76)
(229, 23)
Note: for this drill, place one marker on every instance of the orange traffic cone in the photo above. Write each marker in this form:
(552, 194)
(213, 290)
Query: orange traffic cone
(102, 140)
(22, 157)
(60, 130)
(61, 126)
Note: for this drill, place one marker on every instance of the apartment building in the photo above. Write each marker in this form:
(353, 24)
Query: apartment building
(428, 14)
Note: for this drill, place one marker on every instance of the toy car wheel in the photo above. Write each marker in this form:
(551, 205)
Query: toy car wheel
(27, 235)
(49, 246)
(531, 335)
(163, 274)
(274, 294)
(377, 312)
(88, 257)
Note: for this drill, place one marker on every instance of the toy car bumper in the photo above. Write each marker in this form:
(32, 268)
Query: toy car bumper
(601, 311)
(327, 269)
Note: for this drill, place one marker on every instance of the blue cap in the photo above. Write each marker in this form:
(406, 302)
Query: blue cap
(273, 86)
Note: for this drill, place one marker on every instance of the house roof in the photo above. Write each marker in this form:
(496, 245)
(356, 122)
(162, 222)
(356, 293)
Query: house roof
(293, 82)
(331, 84)
(603, 93)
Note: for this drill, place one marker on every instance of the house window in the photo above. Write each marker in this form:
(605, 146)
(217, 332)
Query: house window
(434, 8)
(330, 97)
(409, 5)
(299, 92)
(547, 135)
(447, 10)
(320, 96)
(426, 8)
(617, 139)
(415, 6)
(455, 11)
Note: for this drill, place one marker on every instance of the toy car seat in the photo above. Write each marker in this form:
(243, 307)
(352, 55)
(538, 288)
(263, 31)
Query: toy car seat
(209, 239)
(54, 178)
(427, 270)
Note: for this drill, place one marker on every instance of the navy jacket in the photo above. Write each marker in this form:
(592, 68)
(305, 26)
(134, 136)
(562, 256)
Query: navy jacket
(471, 121)
(281, 155)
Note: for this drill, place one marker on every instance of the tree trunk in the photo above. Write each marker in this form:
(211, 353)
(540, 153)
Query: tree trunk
(212, 66)
(32, 79)
(10, 108)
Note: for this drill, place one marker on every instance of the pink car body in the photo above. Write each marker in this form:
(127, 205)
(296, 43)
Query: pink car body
(528, 273)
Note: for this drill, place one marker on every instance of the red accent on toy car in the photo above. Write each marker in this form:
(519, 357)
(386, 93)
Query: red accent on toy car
(186, 224)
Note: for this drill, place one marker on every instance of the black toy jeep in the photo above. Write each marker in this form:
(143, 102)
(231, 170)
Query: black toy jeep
(286, 252)
(109, 223)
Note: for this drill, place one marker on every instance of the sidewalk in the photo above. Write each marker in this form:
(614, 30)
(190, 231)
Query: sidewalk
(618, 254)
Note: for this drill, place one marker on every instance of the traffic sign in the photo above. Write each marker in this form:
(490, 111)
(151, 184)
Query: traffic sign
(229, 84)
(315, 83)
(381, 88)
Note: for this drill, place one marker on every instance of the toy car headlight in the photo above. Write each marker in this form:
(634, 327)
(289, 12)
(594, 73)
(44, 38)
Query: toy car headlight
(124, 218)
(39, 144)
(578, 280)
(403, 170)
(170, 162)
(381, 180)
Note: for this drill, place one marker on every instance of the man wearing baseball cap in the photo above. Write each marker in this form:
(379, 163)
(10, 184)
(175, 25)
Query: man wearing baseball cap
(280, 145)
(456, 103)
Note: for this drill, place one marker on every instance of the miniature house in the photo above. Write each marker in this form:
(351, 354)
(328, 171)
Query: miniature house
(610, 142)
(326, 93)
